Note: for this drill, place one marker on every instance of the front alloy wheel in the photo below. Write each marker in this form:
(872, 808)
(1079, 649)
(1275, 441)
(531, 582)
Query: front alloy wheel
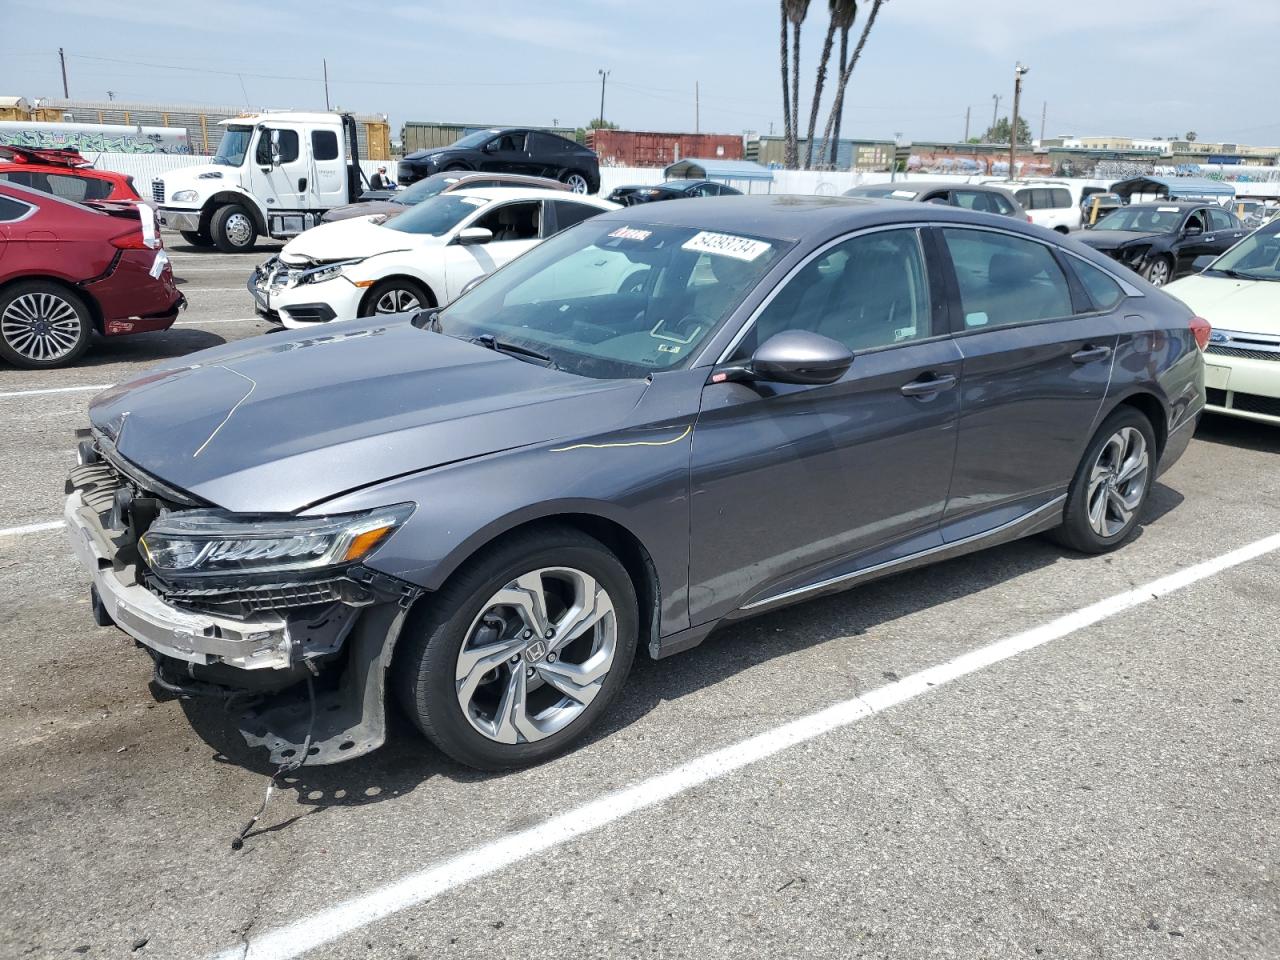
(1157, 272)
(397, 300)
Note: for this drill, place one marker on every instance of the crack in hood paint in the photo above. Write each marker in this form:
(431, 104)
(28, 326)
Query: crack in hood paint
(285, 421)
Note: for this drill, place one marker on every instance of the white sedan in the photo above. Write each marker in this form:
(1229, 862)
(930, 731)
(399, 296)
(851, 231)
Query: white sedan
(1239, 294)
(422, 258)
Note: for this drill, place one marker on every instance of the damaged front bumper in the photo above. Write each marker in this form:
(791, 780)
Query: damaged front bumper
(263, 657)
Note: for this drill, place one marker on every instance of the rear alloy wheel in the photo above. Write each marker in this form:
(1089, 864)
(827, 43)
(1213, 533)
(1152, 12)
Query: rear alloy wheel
(1157, 272)
(522, 652)
(577, 182)
(43, 325)
(394, 296)
(1111, 484)
(233, 229)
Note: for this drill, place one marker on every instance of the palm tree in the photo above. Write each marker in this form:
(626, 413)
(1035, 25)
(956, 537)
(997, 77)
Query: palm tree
(786, 88)
(847, 70)
(794, 11)
(836, 8)
(845, 13)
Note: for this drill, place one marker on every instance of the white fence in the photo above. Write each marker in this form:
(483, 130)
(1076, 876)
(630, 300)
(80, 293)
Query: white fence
(808, 182)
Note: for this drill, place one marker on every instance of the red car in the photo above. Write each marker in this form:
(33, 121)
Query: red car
(70, 270)
(64, 173)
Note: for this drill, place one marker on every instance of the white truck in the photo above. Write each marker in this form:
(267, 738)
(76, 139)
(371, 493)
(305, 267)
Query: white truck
(274, 175)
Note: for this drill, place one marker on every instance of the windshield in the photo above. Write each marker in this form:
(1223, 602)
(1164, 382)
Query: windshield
(423, 190)
(614, 301)
(884, 190)
(436, 215)
(1256, 257)
(473, 139)
(234, 145)
(1143, 219)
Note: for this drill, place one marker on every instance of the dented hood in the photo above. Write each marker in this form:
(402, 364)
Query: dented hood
(281, 422)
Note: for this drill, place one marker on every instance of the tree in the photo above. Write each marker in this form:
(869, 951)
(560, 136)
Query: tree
(793, 14)
(598, 124)
(1000, 132)
(1191, 136)
(837, 8)
(846, 13)
(847, 69)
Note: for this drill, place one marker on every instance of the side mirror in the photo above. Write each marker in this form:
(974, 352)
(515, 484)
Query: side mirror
(1193, 230)
(473, 235)
(793, 356)
(1200, 264)
(275, 148)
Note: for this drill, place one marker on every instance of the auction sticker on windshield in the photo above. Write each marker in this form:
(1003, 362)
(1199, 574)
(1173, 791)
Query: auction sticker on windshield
(631, 233)
(726, 245)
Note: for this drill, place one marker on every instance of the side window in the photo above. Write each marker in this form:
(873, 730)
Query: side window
(1221, 220)
(1103, 291)
(511, 143)
(288, 147)
(1060, 198)
(1001, 204)
(514, 221)
(77, 188)
(324, 144)
(1006, 280)
(11, 210)
(1027, 198)
(568, 213)
(971, 200)
(1197, 219)
(867, 292)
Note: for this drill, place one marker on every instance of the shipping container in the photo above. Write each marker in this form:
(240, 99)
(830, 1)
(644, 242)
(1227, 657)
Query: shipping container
(636, 148)
(850, 154)
(431, 135)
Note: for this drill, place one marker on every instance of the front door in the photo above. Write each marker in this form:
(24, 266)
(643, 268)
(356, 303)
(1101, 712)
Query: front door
(507, 153)
(1037, 360)
(516, 227)
(792, 481)
(288, 178)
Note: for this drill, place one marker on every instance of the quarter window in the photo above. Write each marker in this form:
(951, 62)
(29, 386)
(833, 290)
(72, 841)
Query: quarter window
(11, 210)
(569, 213)
(1006, 280)
(1103, 291)
(867, 292)
(324, 144)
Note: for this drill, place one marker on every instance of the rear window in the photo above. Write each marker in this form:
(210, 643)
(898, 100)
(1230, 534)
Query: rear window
(63, 185)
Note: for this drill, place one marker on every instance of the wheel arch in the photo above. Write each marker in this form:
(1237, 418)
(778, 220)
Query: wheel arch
(411, 278)
(1151, 407)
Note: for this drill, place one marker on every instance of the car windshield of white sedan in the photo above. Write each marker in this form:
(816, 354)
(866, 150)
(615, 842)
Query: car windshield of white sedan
(614, 300)
(436, 215)
(1256, 257)
(1143, 219)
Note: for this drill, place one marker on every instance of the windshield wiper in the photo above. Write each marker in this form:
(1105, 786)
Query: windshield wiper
(491, 342)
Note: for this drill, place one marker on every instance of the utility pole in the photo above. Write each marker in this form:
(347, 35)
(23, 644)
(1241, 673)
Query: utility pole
(1018, 71)
(966, 124)
(604, 77)
(325, 61)
(995, 109)
(697, 107)
(62, 58)
(1044, 112)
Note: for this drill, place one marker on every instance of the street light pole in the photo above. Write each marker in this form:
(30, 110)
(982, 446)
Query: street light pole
(1018, 72)
(604, 76)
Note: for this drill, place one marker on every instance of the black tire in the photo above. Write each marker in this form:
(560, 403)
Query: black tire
(43, 325)
(396, 287)
(200, 239)
(578, 181)
(233, 229)
(425, 666)
(1077, 530)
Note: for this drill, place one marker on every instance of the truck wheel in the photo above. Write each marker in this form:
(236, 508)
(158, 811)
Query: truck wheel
(200, 239)
(232, 229)
(43, 325)
(1109, 490)
(519, 654)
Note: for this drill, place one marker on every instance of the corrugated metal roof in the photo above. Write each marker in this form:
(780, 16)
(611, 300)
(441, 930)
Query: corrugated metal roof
(696, 168)
(1174, 187)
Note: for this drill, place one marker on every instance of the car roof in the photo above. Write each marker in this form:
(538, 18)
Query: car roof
(802, 217)
(1180, 204)
(525, 193)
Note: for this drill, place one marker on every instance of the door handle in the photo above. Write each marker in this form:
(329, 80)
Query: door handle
(1089, 353)
(928, 385)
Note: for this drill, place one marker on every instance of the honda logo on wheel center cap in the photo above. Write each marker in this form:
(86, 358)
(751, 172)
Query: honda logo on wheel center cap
(535, 651)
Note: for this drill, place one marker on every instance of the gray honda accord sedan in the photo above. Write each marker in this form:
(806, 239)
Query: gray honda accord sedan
(660, 420)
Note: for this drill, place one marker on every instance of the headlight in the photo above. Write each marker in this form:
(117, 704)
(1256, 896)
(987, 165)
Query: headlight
(185, 196)
(207, 542)
(326, 272)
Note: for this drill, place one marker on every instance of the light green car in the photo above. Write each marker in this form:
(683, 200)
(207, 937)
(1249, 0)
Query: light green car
(1239, 294)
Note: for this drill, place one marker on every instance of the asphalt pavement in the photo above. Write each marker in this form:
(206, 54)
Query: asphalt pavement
(1107, 793)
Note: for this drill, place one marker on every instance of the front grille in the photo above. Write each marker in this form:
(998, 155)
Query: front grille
(157, 190)
(1243, 352)
(97, 483)
(248, 601)
(1215, 398)
(1253, 403)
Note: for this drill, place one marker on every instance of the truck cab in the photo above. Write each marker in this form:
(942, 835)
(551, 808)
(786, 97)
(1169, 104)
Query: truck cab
(275, 174)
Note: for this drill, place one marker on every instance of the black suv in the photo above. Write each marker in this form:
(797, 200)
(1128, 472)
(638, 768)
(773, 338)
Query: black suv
(529, 152)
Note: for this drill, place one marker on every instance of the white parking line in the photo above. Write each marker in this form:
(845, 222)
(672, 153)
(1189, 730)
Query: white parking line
(43, 390)
(30, 528)
(327, 925)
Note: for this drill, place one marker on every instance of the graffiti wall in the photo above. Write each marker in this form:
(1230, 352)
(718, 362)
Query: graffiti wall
(976, 163)
(91, 138)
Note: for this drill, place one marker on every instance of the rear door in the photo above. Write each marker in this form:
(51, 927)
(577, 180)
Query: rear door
(1037, 361)
(791, 481)
(1225, 229)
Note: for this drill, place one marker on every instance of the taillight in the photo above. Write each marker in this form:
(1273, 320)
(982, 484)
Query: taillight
(1200, 329)
(129, 241)
(1029, 220)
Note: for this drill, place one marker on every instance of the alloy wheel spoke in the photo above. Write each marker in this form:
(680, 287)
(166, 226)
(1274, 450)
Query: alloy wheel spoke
(576, 684)
(510, 715)
(1134, 467)
(593, 605)
(1097, 512)
(525, 595)
(1119, 507)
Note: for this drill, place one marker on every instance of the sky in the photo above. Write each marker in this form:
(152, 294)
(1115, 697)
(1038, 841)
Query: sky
(1101, 66)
